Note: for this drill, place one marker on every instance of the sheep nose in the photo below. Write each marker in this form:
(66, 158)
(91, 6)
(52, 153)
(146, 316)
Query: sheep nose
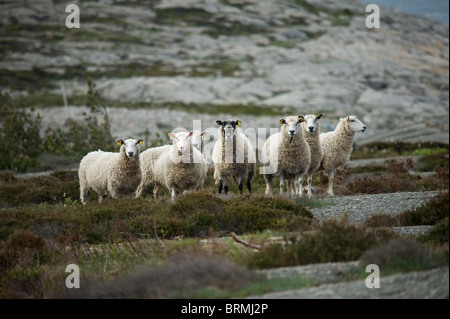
(364, 128)
(130, 154)
(311, 128)
(292, 132)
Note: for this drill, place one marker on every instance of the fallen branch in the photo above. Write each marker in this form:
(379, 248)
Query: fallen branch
(243, 242)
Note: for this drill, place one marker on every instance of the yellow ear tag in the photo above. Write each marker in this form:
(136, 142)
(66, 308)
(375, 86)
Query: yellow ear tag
(119, 143)
(141, 142)
(281, 122)
(239, 123)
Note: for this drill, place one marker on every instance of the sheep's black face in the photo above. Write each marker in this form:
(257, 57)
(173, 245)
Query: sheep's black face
(228, 128)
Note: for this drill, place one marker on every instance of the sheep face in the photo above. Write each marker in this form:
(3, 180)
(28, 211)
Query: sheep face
(310, 122)
(354, 124)
(131, 146)
(181, 140)
(291, 124)
(228, 128)
(196, 139)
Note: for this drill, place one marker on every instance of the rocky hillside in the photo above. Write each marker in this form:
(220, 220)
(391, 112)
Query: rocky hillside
(163, 63)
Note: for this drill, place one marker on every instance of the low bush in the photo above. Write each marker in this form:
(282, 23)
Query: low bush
(332, 241)
(402, 255)
(55, 188)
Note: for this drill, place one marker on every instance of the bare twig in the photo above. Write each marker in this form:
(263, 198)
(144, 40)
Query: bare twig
(107, 253)
(156, 234)
(243, 242)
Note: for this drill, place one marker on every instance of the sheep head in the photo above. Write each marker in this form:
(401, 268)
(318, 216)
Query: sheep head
(196, 139)
(310, 122)
(290, 124)
(130, 146)
(354, 124)
(228, 128)
(181, 140)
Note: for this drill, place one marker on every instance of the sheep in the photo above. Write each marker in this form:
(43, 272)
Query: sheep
(148, 161)
(311, 130)
(289, 155)
(233, 156)
(181, 167)
(151, 155)
(197, 140)
(337, 146)
(113, 174)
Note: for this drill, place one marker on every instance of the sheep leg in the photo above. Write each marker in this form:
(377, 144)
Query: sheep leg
(241, 187)
(100, 198)
(281, 184)
(174, 193)
(309, 185)
(225, 183)
(84, 195)
(290, 185)
(330, 183)
(156, 191)
(139, 191)
(300, 187)
(269, 184)
(220, 186)
(249, 181)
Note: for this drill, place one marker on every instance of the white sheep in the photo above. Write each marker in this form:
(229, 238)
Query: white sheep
(288, 153)
(337, 146)
(197, 140)
(181, 167)
(148, 163)
(233, 157)
(113, 174)
(311, 130)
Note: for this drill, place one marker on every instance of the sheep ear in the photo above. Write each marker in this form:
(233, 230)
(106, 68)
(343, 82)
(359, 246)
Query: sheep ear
(348, 118)
(190, 133)
(171, 136)
(301, 118)
(140, 141)
(238, 123)
(120, 142)
(219, 123)
(318, 116)
(203, 135)
(282, 121)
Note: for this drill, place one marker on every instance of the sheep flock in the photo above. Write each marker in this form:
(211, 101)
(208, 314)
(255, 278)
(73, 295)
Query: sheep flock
(298, 149)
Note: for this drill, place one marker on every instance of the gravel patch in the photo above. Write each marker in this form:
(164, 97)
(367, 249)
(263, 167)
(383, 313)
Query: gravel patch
(360, 207)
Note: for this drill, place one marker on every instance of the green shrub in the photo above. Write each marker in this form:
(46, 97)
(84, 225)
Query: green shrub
(401, 255)
(82, 137)
(435, 210)
(19, 134)
(437, 235)
(333, 241)
(54, 188)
